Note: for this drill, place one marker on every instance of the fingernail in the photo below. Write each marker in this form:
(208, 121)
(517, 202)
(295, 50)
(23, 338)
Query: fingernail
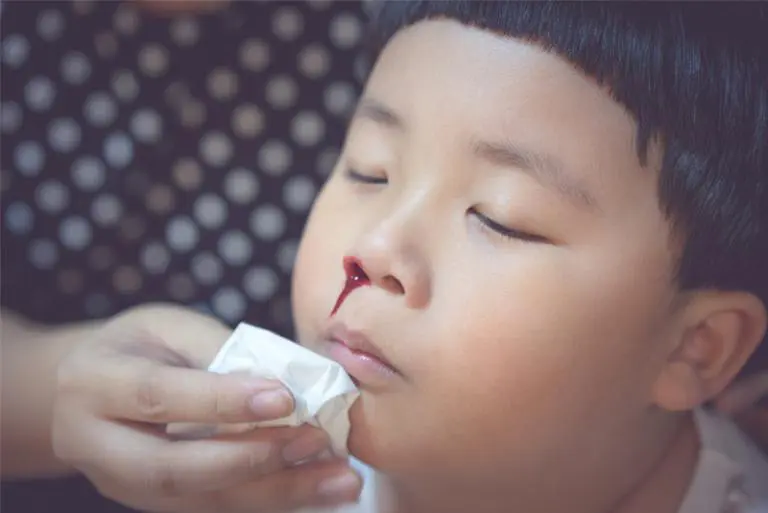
(305, 446)
(273, 403)
(345, 485)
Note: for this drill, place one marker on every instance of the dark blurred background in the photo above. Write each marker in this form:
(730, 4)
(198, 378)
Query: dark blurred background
(163, 152)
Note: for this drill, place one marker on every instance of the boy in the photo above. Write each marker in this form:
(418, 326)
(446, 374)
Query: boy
(552, 223)
(561, 215)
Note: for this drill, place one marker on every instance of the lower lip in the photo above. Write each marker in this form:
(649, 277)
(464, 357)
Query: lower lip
(365, 369)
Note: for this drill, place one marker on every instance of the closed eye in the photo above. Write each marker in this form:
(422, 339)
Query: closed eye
(506, 232)
(358, 177)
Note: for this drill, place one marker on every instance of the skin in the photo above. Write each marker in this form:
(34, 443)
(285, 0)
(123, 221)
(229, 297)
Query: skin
(528, 367)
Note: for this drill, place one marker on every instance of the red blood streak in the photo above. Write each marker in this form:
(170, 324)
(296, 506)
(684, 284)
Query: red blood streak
(356, 277)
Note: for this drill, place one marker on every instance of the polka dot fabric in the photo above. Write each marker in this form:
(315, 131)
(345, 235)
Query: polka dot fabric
(151, 158)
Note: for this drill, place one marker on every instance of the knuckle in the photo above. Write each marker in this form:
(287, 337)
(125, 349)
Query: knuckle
(163, 479)
(149, 398)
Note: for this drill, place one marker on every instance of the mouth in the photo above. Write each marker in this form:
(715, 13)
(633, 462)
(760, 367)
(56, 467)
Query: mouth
(361, 358)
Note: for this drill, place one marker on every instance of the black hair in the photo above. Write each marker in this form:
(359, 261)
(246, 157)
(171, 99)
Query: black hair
(695, 78)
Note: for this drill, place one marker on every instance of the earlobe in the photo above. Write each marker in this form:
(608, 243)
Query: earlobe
(719, 332)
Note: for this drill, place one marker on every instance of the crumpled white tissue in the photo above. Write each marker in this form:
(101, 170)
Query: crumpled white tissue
(322, 390)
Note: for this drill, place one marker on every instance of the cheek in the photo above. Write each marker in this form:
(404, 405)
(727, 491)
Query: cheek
(524, 364)
(317, 272)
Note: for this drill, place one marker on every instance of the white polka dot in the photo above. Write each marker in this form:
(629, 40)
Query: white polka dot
(39, 93)
(106, 210)
(50, 25)
(314, 61)
(228, 303)
(182, 234)
(118, 150)
(210, 210)
(345, 31)
(176, 94)
(43, 253)
(206, 268)
(185, 31)
(268, 222)
(339, 98)
(235, 247)
(181, 287)
(106, 45)
(286, 255)
(160, 199)
(100, 110)
(75, 233)
(247, 121)
(153, 60)
(222, 84)
(307, 128)
(52, 196)
(125, 86)
(19, 218)
(241, 186)
(146, 126)
(216, 149)
(155, 258)
(192, 113)
(126, 20)
(64, 135)
(88, 173)
(260, 283)
(298, 193)
(326, 161)
(75, 68)
(15, 50)
(29, 158)
(11, 117)
(287, 23)
(127, 280)
(274, 157)
(187, 173)
(254, 55)
(101, 258)
(281, 92)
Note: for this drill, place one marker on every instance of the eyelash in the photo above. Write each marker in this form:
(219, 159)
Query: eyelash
(358, 177)
(505, 232)
(486, 222)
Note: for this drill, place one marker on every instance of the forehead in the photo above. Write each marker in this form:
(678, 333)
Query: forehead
(458, 83)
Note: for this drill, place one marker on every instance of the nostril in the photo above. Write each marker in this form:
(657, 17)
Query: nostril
(392, 284)
(354, 271)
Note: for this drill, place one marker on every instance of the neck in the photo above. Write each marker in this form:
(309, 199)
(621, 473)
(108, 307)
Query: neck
(659, 487)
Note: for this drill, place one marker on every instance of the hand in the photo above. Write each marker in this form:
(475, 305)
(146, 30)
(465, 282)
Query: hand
(747, 402)
(137, 373)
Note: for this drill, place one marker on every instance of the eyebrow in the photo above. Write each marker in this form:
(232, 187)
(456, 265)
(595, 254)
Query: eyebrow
(544, 168)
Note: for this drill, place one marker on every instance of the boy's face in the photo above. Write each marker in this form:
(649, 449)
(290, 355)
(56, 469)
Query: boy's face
(516, 358)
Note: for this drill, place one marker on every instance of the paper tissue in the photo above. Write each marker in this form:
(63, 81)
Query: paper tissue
(322, 390)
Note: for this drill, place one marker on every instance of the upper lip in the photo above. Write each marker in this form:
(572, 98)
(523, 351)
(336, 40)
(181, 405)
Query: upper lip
(357, 341)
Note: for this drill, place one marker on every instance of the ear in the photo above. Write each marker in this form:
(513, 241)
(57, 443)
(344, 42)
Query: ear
(718, 332)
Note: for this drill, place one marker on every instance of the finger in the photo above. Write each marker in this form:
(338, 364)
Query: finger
(743, 394)
(145, 391)
(312, 484)
(144, 461)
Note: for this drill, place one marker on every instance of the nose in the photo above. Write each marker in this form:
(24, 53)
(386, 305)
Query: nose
(393, 264)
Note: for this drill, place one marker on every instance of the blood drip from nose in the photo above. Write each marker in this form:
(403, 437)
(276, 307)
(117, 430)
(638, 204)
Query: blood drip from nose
(355, 277)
